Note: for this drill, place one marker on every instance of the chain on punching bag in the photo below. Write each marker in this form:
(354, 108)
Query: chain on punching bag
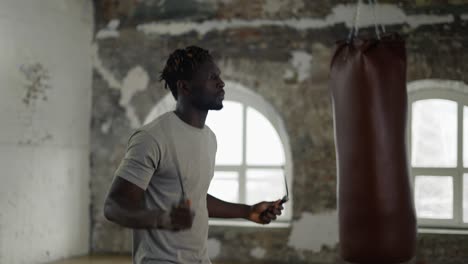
(375, 204)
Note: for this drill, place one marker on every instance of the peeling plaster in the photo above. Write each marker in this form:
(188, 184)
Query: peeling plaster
(166, 103)
(132, 117)
(105, 73)
(272, 7)
(312, 231)
(136, 80)
(301, 61)
(258, 252)
(38, 82)
(288, 75)
(213, 247)
(110, 31)
(387, 15)
(35, 139)
(105, 127)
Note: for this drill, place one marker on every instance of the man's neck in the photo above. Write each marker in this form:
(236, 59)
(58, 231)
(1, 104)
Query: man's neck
(191, 115)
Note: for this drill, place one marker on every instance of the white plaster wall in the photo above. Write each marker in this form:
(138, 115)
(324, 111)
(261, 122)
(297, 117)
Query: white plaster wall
(44, 145)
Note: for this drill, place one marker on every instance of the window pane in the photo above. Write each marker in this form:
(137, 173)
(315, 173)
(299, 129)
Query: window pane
(264, 146)
(465, 198)
(465, 136)
(434, 197)
(225, 186)
(264, 185)
(434, 133)
(227, 125)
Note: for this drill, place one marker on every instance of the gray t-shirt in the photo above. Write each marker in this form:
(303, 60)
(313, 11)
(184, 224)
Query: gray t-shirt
(150, 163)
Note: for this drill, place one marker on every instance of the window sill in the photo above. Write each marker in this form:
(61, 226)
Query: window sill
(447, 231)
(243, 223)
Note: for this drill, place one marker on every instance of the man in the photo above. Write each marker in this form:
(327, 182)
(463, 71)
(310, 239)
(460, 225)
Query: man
(160, 188)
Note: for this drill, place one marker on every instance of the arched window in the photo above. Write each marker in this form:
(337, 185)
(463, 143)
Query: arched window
(438, 148)
(253, 161)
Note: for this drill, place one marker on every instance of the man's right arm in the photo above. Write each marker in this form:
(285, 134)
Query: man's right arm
(125, 205)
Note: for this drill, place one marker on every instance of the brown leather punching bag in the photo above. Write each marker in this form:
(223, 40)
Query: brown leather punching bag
(375, 204)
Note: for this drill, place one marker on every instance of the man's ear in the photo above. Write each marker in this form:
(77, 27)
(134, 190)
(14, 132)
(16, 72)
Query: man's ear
(183, 87)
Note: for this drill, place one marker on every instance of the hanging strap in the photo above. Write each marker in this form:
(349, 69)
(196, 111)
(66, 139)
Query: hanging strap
(355, 29)
(375, 4)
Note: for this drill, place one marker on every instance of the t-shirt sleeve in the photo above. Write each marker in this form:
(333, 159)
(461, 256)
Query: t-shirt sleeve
(141, 159)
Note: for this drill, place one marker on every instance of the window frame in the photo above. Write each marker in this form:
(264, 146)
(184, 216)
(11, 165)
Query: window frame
(446, 90)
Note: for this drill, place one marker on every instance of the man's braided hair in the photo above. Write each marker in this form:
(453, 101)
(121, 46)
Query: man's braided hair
(181, 65)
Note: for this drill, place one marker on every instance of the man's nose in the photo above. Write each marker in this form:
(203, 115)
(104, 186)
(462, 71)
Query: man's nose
(221, 84)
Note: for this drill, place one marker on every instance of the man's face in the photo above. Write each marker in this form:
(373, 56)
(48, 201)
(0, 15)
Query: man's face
(207, 87)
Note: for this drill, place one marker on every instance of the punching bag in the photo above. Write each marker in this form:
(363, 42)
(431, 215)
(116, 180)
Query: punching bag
(375, 205)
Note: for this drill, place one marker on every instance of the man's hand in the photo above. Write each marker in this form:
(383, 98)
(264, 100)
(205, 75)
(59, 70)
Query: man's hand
(181, 216)
(265, 212)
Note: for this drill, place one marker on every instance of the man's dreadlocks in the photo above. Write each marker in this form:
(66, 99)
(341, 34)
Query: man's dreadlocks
(181, 65)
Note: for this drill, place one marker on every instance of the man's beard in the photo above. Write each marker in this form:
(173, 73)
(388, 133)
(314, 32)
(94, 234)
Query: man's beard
(217, 106)
(206, 105)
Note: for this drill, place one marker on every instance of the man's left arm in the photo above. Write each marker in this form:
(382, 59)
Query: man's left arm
(261, 213)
